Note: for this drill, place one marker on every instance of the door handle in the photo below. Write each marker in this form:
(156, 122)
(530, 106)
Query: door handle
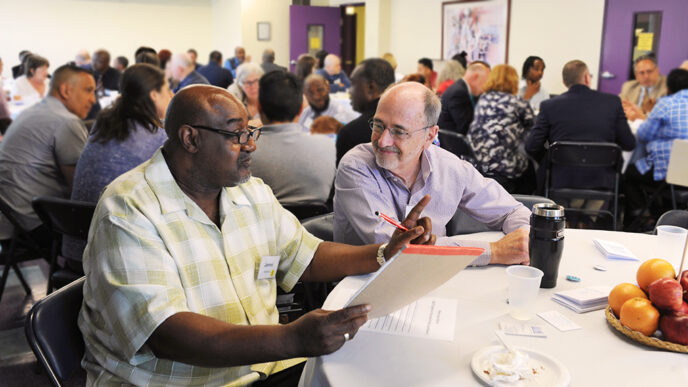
(607, 75)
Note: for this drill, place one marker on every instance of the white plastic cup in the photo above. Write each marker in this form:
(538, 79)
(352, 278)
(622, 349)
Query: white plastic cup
(523, 284)
(670, 243)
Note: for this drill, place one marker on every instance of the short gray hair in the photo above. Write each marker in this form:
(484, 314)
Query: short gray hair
(651, 57)
(247, 69)
(433, 106)
(451, 69)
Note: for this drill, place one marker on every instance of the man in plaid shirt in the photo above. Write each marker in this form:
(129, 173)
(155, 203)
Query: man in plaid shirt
(184, 256)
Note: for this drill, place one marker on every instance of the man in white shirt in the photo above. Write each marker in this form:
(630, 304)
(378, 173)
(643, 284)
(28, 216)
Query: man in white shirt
(317, 92)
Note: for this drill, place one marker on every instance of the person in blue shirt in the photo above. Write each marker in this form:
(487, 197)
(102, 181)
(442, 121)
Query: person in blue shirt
(334, 74)
(182, 71)
(239, 57)
(667, 122)
(216, 75)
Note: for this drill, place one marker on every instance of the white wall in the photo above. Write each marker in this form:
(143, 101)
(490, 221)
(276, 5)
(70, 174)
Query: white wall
(226, 28)
(59, 28)
(277, 13)
(556, 30)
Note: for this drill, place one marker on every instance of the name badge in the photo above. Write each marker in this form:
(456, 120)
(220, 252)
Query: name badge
(268, 267)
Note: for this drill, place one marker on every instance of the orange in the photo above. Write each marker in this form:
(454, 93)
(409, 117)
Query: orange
(652, 270)
(622, 293)
(639, 315)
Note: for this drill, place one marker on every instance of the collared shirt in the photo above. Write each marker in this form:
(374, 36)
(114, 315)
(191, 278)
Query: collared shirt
(667, 122)
(43, 137)
(362, 187)
(338, 82)
(153, 252)
(340, 110)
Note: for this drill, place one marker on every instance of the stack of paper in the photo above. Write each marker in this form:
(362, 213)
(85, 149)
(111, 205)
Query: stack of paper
(583, 300)
(614, 250)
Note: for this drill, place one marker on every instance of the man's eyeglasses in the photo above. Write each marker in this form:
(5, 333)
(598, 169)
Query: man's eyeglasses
(241, 137)
(397, 133)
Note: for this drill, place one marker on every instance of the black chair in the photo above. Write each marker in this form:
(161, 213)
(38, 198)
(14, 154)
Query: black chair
(307, 211)
(462, 223)
(457, 144)
(53, 334)
(21, 247)
(599, 158)
(64, 217)
(321, 226)
(677, 218)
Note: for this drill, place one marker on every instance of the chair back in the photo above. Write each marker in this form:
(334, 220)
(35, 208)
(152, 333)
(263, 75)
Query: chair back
(677, 173)
(53, 334)
(307, 211)
(64, 216)
(677, 218)
(457, 144)
(462, 223)
(321, 226)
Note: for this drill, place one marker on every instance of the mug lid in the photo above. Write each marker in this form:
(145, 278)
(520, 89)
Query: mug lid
(548, 210)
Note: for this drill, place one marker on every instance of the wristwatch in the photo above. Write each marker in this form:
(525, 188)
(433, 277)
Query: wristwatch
(381, 254)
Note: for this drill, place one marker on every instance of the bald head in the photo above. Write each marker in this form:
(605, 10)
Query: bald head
(197, 105)
(314, 78)
(317, 92)
(333, 65)
(269, 55)
(412, 95)
(180, 66)
(476, 76)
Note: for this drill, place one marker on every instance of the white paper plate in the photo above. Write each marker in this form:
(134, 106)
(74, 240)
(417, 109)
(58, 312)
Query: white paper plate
(548, 371)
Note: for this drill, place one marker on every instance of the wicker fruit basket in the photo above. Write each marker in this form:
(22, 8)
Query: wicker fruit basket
(639, 337)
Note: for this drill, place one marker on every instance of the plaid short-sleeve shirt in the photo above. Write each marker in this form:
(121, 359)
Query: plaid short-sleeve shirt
(152, 253)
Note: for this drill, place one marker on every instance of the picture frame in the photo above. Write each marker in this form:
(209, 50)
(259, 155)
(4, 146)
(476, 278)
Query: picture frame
(479, 27)
(263, 31)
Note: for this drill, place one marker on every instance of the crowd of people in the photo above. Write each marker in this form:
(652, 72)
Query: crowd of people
(190, 237)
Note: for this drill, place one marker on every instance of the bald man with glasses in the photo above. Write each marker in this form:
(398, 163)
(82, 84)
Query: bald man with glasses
(400, 166)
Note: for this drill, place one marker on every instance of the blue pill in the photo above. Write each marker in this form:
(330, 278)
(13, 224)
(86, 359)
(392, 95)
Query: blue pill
(573, 278)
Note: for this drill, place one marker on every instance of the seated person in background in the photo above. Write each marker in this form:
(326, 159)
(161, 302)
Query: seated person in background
(326, 125)
(317, 92)
(193, 55)
(107, 78)
(400, 166)
(684, 65)
(531, 89)
(667, 122)
(237, 60)
(645, 89)
(389, 57)
(247, 86)
(18, 70)
(582, 115)
(124, 135)
(459, 100)
(121, 63)
(164, 57)
(451, 72)
(214, 73)
(269, 62)
(183, 264)
(148, 57)
(82, 58)
(33, 85)
(370, 79)
(304, 67)
(182, 71)
(415, 77)
(425, 69)
(501, 122)
(298, 167)
(333, 73)
(41, 147)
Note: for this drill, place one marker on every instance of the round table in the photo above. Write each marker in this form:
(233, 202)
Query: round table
(595, 355)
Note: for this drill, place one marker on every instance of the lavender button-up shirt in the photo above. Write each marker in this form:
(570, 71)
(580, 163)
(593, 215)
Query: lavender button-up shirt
(362, 188)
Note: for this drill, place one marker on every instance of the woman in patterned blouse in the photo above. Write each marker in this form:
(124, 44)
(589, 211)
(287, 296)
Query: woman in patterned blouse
(501, 122)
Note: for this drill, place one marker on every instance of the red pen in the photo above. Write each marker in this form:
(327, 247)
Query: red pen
(390, 221)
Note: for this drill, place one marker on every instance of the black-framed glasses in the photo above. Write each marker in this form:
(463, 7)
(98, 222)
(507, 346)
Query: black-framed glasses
(241, 137)
(397, 133)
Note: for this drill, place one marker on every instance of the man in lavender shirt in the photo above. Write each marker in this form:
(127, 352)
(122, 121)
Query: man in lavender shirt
(400, 166)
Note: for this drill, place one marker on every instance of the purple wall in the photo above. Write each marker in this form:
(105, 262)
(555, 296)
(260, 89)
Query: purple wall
(301, 16)
(616, 38)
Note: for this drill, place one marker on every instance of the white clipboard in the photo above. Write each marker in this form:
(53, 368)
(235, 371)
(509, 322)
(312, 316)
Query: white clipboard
(412, 274)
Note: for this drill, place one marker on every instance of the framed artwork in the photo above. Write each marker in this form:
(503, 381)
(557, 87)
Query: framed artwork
(263, 30)
(479, 27)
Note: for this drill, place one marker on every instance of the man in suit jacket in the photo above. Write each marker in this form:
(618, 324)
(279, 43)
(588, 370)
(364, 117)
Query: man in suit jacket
(269, 62)
(583, 115)
(214, 73)
(647, 87)
(458, 101)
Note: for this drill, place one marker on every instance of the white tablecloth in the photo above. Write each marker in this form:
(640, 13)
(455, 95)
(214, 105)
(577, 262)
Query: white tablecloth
(595, 355)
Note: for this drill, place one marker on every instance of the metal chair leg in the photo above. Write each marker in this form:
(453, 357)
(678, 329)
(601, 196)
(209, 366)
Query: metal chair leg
(23, 281)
